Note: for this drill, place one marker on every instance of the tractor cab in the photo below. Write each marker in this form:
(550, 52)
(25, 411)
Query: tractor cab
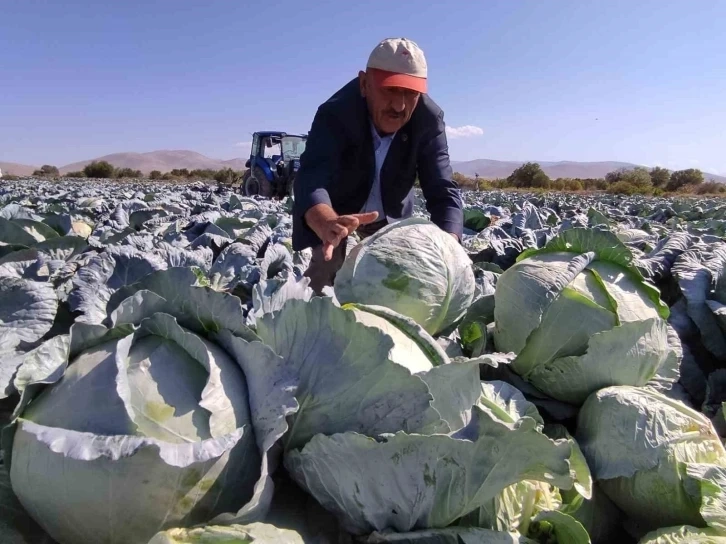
(274, 161)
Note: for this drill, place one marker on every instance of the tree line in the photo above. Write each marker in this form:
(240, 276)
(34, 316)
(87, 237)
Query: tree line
(639, 180)
(106, 170)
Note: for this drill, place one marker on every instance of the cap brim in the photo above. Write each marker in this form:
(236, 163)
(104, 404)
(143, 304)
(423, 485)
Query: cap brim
(382, 78)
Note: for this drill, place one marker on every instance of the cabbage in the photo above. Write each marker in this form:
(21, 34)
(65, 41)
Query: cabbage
(28, 308)
(364, 369)
(533, 508)
(656, 459)
(452, 535)
(682, 535)
(414, 268)
(126, 430)
(580, 317)
(167, 374)
(232, 534)
(700, 272)
(413, 481)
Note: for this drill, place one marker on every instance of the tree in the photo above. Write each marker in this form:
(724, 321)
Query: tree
(630, 180)
(155, 174)
(574, 185)
(47, 170)
(615, 175)
(202, 174)
(595, 184)
(557, 184)
(685, 178)
(76, 174)
(639, 178)
(128, 173)
(622, 188)
(227, 176)
(634, 176)
(530, 174)
(660, 176)
(710, 187)
(99, 169)
(462, 181)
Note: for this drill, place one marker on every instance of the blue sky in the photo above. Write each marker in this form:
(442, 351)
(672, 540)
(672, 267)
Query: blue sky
(639, 81)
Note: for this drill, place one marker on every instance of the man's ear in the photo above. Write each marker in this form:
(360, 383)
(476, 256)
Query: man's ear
(362, 82)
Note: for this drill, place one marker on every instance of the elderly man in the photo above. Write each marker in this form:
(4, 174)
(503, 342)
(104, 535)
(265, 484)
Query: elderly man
(366, 146)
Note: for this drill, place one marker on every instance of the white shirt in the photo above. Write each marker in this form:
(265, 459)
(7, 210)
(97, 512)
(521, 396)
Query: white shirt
(381, 145)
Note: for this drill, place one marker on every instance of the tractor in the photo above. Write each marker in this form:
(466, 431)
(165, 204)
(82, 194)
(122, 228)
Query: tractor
(273, 163)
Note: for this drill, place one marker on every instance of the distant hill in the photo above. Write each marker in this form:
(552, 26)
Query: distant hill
(15, 169)
(167, 160)
(164, 161)
(491, 169)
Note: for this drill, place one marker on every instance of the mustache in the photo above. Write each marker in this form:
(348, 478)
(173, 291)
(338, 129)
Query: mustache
(392, 113)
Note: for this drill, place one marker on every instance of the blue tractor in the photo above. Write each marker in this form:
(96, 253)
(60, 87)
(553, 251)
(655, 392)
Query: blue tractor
(273, 163)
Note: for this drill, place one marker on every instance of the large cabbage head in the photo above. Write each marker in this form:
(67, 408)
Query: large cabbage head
(579, 316)
(414, 268)
(145, 425)
(661, 462)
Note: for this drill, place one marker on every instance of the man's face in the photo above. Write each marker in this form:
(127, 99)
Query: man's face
(390, 107)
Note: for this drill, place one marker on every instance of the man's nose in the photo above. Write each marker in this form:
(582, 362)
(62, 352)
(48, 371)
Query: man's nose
(398, 102)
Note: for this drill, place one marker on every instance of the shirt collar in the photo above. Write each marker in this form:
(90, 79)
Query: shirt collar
(377, 138)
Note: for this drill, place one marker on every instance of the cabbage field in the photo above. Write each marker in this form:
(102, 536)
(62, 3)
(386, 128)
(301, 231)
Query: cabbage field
(168, 376)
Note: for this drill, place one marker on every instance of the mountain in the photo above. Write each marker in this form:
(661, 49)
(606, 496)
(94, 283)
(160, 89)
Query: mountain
(491, 169)
(167, 160)
(15, 169)
(164, 161)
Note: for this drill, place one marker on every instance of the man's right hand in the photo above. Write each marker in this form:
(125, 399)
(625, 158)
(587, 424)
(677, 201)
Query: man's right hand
(332, 228)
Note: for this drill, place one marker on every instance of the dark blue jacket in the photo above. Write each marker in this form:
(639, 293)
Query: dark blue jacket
(338, 165)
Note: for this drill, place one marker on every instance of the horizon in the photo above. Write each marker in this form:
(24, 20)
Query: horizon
(246, 156)
(517, 82)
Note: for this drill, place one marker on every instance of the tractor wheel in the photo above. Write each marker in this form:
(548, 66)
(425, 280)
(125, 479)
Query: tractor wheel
(243, 182)
(256, 183)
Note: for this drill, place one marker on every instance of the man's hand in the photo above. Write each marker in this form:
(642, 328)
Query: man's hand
(332, 228)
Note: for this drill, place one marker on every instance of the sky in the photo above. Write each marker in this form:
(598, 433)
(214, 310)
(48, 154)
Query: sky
(641, 82)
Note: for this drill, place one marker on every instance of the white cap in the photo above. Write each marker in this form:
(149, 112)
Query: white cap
(400, 63)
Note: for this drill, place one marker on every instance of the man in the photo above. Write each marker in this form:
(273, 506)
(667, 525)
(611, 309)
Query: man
(366, 145)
